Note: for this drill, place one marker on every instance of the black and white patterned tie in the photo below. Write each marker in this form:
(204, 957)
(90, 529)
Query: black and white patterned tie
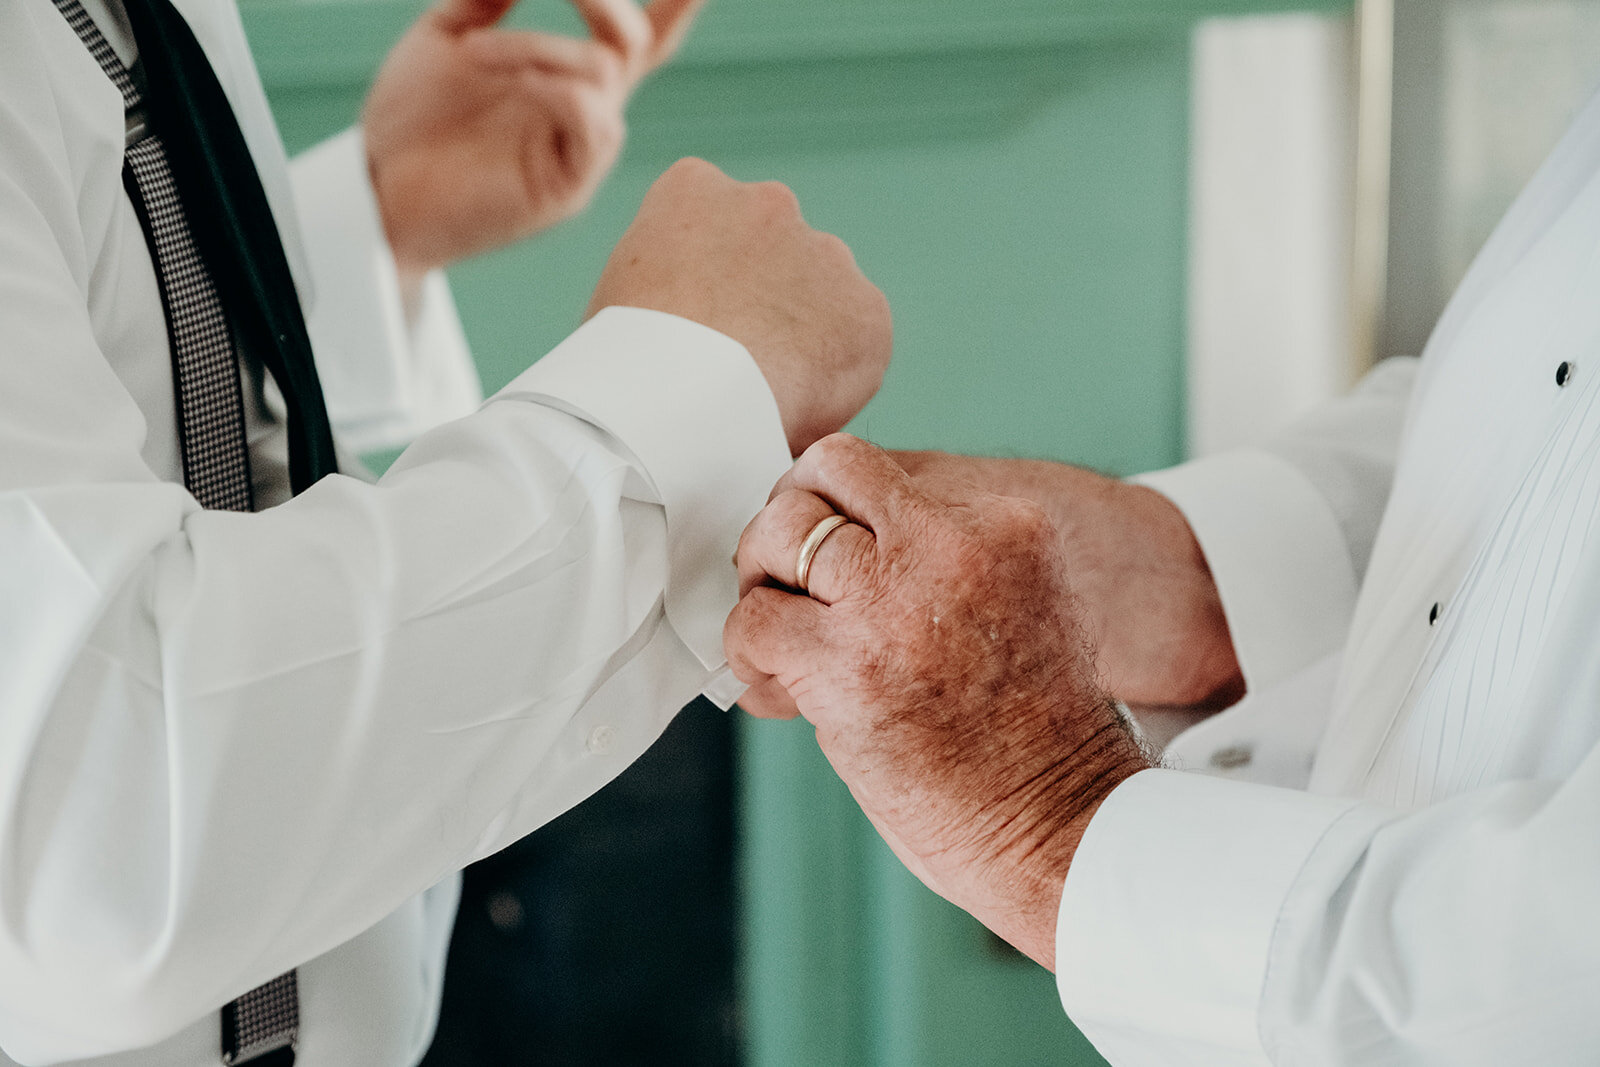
(261, 1028)
(205, 368)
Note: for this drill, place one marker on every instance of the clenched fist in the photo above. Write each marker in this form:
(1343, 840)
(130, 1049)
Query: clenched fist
(950, 682)
(740, 258)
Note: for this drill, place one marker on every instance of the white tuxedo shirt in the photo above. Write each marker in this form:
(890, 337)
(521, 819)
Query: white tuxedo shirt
(235, 744)
(1412, 579)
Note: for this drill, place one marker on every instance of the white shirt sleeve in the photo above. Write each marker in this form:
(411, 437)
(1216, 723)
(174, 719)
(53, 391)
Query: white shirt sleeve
(233, 741)
(388, 372)
(1287, 528)
(1208, 922)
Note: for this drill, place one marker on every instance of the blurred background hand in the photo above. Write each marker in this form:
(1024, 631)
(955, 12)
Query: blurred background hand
(478, 135)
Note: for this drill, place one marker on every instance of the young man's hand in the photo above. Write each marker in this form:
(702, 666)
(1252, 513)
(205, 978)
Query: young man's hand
(739, 258)
(479, 135)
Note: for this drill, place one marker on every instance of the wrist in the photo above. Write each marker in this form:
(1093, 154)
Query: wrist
(1158, 617)
(1048, 816)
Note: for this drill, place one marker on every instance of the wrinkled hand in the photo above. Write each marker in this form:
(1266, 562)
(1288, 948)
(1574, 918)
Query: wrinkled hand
(477, 136)
(948, 678)
(1143, 587)
(740, 259)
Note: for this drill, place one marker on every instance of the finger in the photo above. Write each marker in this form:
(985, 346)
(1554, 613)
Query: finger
(861, 481)
(769, 549)
(773, 634)
(620, 26)
(769, 700)
(669, 24)
(765, 540)
(458, 16)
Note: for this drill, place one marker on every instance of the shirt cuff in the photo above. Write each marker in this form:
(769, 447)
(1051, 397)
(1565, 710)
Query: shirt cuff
(696, 412)
(1168, 913)
(388, 372)
(1277, 553)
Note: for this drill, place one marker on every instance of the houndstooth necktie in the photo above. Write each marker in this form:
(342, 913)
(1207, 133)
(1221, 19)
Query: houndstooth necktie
(205, 368)
(261, 1028)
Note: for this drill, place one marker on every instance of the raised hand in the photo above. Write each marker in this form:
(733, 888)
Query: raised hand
(739, 258)
(940, 659)
(479, 135)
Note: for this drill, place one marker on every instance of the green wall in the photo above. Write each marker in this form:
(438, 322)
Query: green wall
(1013, 174)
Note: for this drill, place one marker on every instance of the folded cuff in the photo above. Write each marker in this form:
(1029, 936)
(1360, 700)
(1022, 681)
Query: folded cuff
(1167, 917)
(696, 412)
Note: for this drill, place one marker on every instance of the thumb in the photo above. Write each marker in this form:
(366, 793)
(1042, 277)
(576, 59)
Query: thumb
(459, 16)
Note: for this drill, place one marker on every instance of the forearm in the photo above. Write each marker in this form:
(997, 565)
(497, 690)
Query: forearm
(1017, 893)
(273, 728)
(1146, 593)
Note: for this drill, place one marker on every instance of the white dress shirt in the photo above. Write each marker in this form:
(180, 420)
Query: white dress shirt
(1428, 688)
(235, 744)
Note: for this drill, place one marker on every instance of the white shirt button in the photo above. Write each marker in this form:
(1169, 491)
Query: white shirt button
(601, 738)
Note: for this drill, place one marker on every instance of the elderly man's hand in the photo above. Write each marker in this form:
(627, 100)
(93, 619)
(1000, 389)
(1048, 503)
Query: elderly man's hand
(478, 135)
(950, 683)
(1144, 589)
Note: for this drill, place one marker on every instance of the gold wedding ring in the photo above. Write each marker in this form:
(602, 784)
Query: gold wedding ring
(808, 550)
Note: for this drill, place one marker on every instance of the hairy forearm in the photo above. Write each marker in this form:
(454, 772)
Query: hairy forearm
(1147, 597)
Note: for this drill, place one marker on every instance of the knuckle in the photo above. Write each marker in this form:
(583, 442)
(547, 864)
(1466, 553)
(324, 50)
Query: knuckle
(835, 247)
(835, 451)
(776, 197)
(735, 646)
(766, 540)
(882, 312)
(763, 613)
(748, 538)
(790, 509)
(733, 633)
(691, 170)
(746, 623)
(1024, 526)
